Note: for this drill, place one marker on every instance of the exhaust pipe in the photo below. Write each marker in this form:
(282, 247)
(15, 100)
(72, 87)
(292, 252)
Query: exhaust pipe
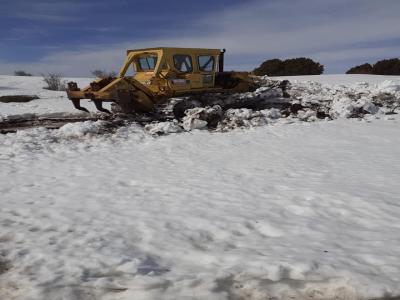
(221, 60)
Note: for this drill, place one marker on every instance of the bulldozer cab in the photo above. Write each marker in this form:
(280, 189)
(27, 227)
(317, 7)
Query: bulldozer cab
(176, 69)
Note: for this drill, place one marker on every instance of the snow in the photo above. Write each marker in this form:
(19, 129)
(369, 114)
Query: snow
(309, 102)
(81, 129)
(292, 211)
(50, 102)
(344, 100)
(162, 128)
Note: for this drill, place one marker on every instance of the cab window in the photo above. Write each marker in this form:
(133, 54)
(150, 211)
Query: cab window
(206, 63)
(183, 63)
(147, 63)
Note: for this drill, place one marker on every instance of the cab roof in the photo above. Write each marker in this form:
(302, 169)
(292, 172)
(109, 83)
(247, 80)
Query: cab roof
(180, 50)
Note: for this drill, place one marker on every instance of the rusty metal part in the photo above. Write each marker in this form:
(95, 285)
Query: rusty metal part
(99, 106)
(77, 105)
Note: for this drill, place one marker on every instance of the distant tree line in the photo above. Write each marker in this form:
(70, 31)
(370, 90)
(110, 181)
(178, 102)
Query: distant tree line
(382, 67)
(21, 73)
(306, 66)
(103, 74)
(289, 67)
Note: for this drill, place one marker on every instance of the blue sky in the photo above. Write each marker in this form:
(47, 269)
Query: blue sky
(74, 37)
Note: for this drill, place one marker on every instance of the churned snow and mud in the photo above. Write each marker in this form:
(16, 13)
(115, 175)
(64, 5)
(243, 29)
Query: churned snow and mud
(299, 208)
(305, 101)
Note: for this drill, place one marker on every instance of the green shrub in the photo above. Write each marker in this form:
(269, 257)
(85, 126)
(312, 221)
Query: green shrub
(361, 69)
(272, 67)
(54, 82)
(387, 67)
(103, 74)
(289, 67)
(21, 73)
(382, 67)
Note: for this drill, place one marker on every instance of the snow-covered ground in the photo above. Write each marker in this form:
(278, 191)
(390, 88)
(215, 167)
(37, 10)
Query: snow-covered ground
(50, 101)
(291, 211)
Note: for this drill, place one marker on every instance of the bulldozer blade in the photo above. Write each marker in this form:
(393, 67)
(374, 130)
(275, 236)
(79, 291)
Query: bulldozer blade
(125, 101)
(99, 106)
(77, 105)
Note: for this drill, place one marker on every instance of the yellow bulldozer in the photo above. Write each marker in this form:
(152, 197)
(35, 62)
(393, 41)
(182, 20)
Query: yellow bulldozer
(160, 74)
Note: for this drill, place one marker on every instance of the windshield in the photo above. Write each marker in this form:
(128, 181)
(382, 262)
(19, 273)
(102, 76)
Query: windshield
(147, 63)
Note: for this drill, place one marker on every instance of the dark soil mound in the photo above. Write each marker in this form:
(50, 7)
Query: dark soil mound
(18, 98)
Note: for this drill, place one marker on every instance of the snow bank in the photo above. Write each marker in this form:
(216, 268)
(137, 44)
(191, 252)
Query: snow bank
(159, 128)
(308, 102)
(292, 212)
(349, 100)
(82, 128)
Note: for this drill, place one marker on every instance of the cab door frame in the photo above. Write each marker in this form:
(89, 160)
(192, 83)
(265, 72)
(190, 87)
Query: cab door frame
(207, 76)
(181, 80)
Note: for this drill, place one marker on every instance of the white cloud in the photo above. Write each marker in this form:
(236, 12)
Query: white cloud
(354, 54)
(330, 31)
(50, 11)
(47, 17)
